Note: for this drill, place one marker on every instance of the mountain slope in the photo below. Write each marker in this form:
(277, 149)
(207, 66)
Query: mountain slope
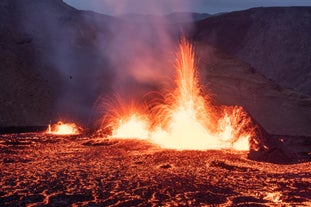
(57, 61)
(233, 82)
(275, 41)
(172, 18)
(48, 59)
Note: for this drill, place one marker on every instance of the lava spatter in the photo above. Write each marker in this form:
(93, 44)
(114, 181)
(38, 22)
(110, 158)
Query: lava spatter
(186, 119)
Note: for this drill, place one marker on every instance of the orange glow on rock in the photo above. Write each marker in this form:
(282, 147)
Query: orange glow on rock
(186, 119)
(61, 128)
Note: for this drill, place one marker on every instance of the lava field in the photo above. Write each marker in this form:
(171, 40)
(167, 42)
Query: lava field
(47, 170)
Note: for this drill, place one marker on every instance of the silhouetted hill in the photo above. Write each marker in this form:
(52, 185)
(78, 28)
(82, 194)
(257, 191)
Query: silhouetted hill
(275, 41)
(173, 18)
(231, 81)
(56, 62)
(48, 59)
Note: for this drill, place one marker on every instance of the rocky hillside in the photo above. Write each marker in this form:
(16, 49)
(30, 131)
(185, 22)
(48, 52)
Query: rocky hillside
(172, 18)
(231, 81)
(25, 98)
(275, 41)
(76, 57)
(48, 56)
(56, 62)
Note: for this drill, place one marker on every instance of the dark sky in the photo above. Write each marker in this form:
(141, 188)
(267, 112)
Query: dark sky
(119, 7)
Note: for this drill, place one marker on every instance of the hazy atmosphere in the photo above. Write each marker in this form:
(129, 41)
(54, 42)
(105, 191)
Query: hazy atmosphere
(168, 6)
(155, 103)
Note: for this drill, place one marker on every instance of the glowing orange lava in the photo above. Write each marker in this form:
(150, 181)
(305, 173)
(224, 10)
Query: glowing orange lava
(186, 119)
(61, 128)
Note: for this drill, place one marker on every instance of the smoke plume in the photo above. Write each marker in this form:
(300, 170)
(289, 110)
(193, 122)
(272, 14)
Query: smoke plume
(85, 55)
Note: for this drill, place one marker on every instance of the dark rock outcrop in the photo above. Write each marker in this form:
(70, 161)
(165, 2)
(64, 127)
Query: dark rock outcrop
(231, 81)
(50, 64)
(275, 41)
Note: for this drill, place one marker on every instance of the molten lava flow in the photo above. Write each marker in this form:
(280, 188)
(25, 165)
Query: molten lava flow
(134, 126)
(61, 128)
(186, 119)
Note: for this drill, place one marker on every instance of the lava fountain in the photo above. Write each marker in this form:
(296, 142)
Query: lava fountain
(61, 128)
(185, 119)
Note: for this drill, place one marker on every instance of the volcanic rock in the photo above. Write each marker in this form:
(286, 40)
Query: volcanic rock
(46, 47)
(234, 82)
(134, 173)
(275, 41)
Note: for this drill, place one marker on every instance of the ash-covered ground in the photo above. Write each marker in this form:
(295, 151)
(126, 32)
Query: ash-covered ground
(46, 170)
